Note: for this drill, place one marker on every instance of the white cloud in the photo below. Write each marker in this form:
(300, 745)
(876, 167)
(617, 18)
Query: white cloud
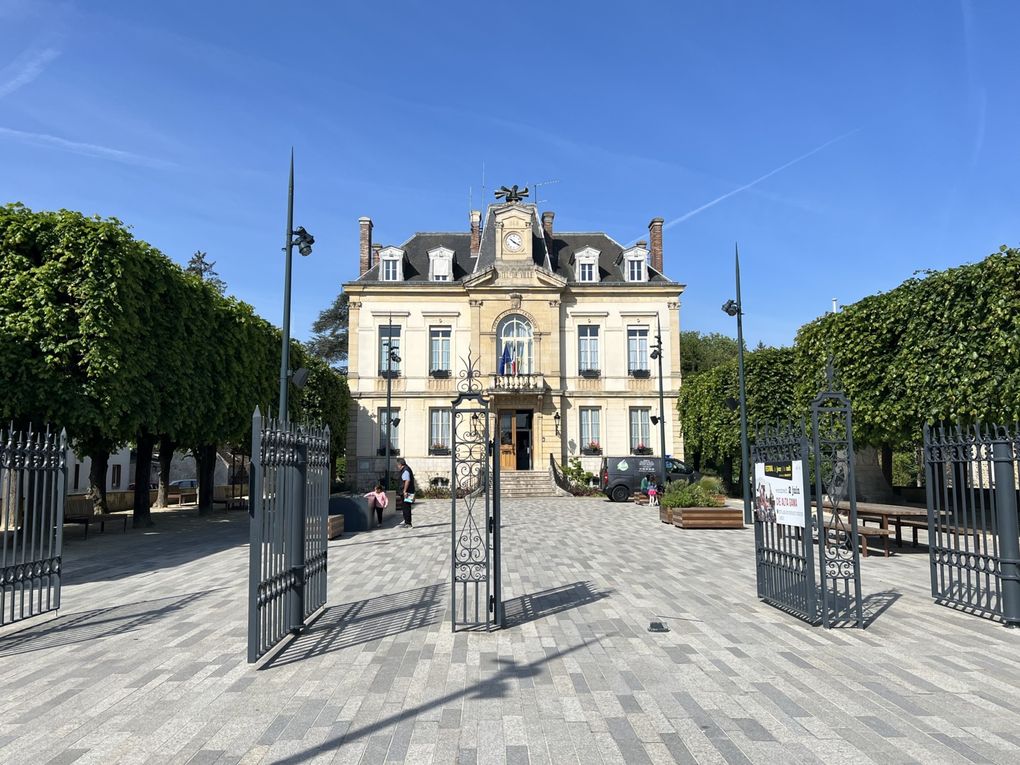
(85, 149)
(24, 69)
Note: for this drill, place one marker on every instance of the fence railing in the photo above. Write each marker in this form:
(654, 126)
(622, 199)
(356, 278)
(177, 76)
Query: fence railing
(32, 487)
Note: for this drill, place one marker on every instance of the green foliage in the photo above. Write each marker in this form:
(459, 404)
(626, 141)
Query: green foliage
(945, 346)
(711, 427)
(702, 352)
(204, 270)
(329, 342)
(703, 493)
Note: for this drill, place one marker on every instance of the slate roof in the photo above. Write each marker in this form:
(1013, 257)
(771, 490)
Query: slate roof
(553, 255)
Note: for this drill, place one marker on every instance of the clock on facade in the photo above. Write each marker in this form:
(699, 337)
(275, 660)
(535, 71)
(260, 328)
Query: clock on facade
(513, 241)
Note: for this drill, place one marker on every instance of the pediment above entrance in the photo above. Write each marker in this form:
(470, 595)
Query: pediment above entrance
(523, 275)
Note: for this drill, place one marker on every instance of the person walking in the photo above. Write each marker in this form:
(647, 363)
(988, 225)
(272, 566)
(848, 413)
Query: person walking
(406, 491)
(377, 500)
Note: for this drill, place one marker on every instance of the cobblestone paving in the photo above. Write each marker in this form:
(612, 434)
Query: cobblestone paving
(145, 664)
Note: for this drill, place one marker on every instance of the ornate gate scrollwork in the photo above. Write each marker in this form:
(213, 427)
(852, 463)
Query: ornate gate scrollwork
(475, 597)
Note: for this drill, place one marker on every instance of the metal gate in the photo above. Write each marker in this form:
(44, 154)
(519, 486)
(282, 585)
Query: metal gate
(973, 541)
(475, 571)
(32, 485)
(785, 545)
(288, 505)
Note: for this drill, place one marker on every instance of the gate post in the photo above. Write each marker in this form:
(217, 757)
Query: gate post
(1009, 538)
(296, 526)
(255, 535)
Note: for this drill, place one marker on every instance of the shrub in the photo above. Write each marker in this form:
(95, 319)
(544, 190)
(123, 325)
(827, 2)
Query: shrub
(579, 480)
(704, 493)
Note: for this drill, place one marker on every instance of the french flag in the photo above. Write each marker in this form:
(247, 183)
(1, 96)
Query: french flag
(506, 360)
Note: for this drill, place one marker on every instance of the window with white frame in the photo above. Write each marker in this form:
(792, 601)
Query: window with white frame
(640, 432)
(588, 347)
(591, 438)
(586, 264)
(440, 264)
(636, 270)
(389, 340)
(637, 349)
(439, 431)
(439, 349)
(515, 347)
(389, 425)
(391, 264)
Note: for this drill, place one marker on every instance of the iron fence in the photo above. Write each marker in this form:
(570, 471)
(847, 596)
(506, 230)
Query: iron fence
(973, 541)
(32, 494)
(289, 506)
(475, 597)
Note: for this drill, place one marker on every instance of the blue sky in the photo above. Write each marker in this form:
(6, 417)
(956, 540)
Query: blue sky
(843, 145)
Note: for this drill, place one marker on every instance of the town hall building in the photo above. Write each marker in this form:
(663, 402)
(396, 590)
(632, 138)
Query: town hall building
(562, 325)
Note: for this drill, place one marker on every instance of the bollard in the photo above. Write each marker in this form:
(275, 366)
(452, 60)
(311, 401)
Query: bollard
(1009, 534)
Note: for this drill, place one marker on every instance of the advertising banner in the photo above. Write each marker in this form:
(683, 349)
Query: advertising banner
(779, 492)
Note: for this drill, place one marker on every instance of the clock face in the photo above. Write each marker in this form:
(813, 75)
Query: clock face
(513, 241)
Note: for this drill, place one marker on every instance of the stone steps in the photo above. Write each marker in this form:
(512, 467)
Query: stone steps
(526, 483)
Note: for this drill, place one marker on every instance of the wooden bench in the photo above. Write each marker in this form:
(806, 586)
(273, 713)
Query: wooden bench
(863, 532)
(922, 523)
(101, 519)
(335, 526)
(708, 518)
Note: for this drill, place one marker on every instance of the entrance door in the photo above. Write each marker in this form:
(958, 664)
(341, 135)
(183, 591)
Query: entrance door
(515, 439)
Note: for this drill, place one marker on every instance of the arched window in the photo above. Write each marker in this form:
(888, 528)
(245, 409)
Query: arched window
(516, 346)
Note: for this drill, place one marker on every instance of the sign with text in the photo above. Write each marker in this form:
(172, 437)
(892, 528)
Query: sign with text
(779, 492)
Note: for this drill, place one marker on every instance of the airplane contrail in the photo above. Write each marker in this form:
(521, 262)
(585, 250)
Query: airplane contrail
(756, 181)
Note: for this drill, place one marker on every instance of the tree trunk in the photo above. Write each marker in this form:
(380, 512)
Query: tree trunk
(697, 461)
(887, 457)
(205, 461)
(727, 475)
(97, 482)
(166, 456)
(143, 472)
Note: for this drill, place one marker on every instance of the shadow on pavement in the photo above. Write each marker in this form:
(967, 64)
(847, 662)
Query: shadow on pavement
(87, 626)
(364, 621)
(494, 687)
(532, 606)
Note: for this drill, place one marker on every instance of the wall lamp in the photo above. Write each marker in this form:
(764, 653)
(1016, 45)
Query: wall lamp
(556, 422)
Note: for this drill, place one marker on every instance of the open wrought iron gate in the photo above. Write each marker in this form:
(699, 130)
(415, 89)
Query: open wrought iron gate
(32, 486)
(973, 540)
(475, 570)
(785, 541)
(288, 505)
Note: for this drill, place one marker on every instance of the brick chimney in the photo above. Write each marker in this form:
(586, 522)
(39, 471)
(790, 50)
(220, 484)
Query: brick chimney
(655, 236)
(365, 261)
(476, 231)
(547, 224)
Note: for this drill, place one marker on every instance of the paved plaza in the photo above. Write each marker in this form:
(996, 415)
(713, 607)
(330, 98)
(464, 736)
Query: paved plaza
(146, 661)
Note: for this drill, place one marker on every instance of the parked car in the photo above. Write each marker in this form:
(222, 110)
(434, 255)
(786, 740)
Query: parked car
(620, 477)
(183, 484)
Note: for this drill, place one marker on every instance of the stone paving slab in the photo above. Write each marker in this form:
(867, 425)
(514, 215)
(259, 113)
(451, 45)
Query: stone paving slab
(146, 662)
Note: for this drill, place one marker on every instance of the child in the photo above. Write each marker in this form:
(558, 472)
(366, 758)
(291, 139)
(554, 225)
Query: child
(653, 493)
(377, 500)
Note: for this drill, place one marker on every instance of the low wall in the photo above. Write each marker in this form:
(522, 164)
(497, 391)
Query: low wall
(119, 501)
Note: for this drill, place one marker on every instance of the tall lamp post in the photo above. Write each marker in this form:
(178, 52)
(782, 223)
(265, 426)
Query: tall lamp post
(303, 241)
(735, 308)
(391, 357)
(661, 419)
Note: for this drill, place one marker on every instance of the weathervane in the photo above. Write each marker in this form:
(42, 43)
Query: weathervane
(511, 194)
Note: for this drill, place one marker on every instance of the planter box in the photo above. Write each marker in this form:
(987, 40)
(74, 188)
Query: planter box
(587, 452)
(708, 518)
(646, 450)
(335, 526)
(591, 374)
(641, 374)
(440, 374)
(391, 374)
(440, 451)
(666, 514)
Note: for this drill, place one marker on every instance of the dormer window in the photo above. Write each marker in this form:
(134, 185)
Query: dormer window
(635, 264)
(586, 265)
(391, 264)
(440, 265)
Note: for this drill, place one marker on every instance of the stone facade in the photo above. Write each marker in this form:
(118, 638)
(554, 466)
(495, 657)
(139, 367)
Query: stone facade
(543, 294)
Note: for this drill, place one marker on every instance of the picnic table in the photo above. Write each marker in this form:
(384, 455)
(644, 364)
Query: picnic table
(913, 518)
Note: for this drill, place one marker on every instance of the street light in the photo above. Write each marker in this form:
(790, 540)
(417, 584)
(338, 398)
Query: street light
(734, 308)
(303, 241)
(556, 422)
(661, 419)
